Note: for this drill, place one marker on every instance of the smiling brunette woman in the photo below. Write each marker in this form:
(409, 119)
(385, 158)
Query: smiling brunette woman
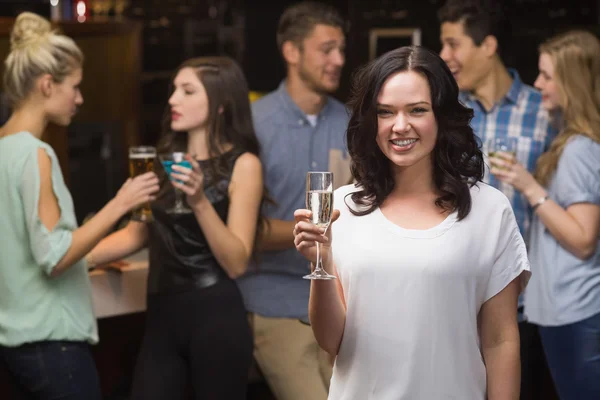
(429, 259)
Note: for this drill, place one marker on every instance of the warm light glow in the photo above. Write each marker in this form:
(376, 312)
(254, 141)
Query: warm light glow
(81, 18)
(54, 3)
(81, 10)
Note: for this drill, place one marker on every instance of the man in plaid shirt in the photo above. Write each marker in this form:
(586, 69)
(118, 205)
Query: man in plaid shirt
(503, 106)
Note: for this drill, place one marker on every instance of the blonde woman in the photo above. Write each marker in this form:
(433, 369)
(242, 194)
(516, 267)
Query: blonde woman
(563, 297)
(46, 316)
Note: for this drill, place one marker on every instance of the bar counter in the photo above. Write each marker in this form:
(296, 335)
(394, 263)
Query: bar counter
(122, 291)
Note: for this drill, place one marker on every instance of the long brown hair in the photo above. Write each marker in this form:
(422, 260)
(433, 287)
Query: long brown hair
(229, 120)
(576, 59)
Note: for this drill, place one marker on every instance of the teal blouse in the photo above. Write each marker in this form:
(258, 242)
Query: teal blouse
(33, 305)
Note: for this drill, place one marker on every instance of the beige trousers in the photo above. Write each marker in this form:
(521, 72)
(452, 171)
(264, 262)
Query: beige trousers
(293, 364)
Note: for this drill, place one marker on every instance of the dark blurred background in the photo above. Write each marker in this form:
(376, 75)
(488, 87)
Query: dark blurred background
(173, 30)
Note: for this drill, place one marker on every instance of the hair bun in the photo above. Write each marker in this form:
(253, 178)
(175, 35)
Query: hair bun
(29, 30)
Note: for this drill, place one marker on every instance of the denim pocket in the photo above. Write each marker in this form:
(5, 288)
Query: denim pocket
(26, 364)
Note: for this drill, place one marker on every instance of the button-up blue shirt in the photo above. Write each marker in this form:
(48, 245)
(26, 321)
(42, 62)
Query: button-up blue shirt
(290, 147)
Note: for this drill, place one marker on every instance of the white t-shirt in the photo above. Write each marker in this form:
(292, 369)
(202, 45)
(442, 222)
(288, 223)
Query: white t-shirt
(413, 297)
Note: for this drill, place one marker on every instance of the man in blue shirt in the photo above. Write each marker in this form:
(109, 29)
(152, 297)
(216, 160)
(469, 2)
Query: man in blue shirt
(503, 107)
(301, 128)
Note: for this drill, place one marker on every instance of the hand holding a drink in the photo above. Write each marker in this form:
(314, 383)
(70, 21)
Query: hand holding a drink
(137, 191)
(312, 224)
(502, 152)
(307, 234)
(505, 166)
(189, 179)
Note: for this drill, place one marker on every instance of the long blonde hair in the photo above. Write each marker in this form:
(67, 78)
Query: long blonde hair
(576, 59)
(36, 49)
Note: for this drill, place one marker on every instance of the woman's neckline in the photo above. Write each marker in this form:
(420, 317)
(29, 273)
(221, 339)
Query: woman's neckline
(225, 153)
(427, 233)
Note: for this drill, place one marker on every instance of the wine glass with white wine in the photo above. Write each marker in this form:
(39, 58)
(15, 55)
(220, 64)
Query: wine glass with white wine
(319, 200)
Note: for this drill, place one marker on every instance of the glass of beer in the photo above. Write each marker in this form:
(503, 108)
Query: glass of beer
(319, 200)
(141, 160)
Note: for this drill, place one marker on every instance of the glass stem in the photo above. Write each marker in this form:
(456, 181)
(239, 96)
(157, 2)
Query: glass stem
(319, 262)
(178, 199)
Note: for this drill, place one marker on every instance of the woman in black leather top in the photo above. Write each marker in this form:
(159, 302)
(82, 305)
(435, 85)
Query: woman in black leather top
(196, 326)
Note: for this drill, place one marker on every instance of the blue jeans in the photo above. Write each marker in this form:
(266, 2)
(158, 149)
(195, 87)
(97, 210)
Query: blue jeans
(573, 355)
(53, 370)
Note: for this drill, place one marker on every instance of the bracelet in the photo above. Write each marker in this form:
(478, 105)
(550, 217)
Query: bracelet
(540, 202)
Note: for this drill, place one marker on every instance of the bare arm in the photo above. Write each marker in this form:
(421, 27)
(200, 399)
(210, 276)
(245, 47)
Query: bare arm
(278, 236)
(120, 244)
(326, 307)
(576, 228)
(132, 193)
(327, 311)
(232, 243)
(500, 343)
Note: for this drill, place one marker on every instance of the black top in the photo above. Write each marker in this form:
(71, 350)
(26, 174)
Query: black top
(180, 257)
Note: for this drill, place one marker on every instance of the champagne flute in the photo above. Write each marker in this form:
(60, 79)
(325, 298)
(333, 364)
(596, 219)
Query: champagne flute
(319, 200)
(168, 160)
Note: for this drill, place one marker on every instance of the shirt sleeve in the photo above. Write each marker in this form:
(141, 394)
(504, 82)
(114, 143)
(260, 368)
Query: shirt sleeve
(510, 257)
(47, 247)
(578, 173)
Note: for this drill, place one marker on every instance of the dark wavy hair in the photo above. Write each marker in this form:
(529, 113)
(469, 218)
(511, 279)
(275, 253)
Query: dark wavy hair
(229, 120)
(457, 158)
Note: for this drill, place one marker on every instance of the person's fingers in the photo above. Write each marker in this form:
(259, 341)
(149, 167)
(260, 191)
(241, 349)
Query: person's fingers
(180, 177)
(184, 188)
(193, 163)
(306, 226)
(302, 215)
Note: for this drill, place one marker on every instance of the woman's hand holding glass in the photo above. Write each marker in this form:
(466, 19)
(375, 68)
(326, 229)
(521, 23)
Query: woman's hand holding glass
(137, 191)
(507, 169)
(189, 181)
(306, 234)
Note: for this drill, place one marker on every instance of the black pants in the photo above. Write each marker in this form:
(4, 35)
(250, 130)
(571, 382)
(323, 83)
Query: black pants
(200, 337)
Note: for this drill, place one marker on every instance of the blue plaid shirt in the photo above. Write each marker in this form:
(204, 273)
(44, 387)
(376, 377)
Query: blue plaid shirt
(519, 114)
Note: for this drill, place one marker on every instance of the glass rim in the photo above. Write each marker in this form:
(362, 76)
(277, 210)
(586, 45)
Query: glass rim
(502, 139)
(168, 153)
(175, 156)
(142, 149)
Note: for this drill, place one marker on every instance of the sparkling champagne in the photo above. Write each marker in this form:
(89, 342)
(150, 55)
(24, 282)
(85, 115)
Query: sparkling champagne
(320, 202)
